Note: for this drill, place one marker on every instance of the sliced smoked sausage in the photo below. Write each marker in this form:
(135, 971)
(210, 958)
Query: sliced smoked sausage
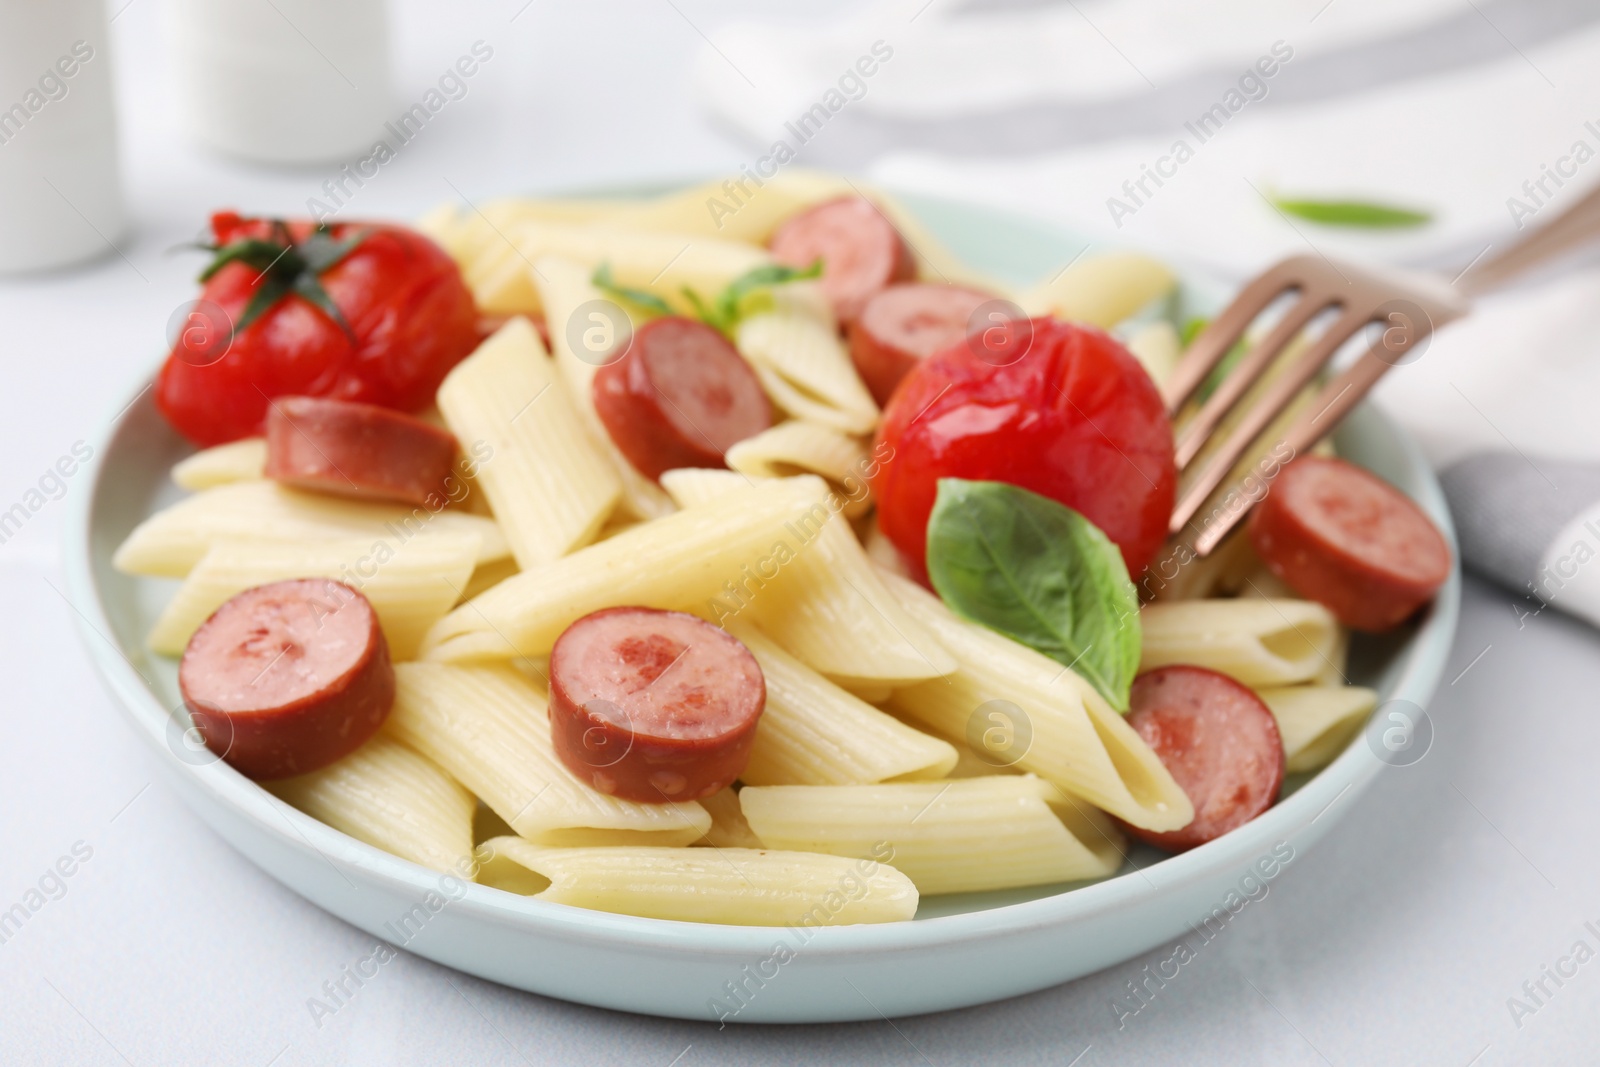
(288, 677)
(359, 450)
(653, 706)
(860, 249)
(680, 396)
(905, 324)
(1218, 740)
(1350, 541)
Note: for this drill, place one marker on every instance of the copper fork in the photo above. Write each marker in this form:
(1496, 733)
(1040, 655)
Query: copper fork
(1408, 305)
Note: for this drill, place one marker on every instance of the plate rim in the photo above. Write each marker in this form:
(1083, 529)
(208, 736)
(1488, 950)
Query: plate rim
(1350, 772)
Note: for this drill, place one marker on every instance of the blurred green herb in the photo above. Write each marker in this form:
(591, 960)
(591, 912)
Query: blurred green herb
(1353, 213)
(747, 294)
(647, 302)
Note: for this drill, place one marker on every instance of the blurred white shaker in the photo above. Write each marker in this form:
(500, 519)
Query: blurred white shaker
(60, 201)
(282, 81)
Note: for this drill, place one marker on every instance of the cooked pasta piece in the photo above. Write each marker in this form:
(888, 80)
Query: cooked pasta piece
(800, 447)
(1317, 721)
(392, 797)
(583, 337)
(488, 727)
(734, 886)
(169, 543)
(549, 484)
(1074, 738)
(956, 836)
(827, 606)
(486, 577)
(1177, 574)
(662, 263)
(814, 733)
(237, 461)
(795, 349)
(882, 552)
(728, 828)
(736, 209)
(411, 584)
(1100, 290)
(1157, 346)
(680, 561)
(1259, 642)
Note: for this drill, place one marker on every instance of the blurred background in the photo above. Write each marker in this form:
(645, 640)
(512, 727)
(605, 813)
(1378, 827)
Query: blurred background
(1453, 882)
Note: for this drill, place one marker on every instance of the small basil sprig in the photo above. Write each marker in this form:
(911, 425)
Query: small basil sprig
(1356, 213)
(647, 302)
(1039, 572)
(747, 294)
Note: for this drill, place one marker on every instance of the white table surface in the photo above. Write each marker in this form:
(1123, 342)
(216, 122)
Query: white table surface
(1397, 940)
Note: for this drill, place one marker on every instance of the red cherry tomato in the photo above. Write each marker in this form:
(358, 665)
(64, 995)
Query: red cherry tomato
(1060, 409)
(410, 319)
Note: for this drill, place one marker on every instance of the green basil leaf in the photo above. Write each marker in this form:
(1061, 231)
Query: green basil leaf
(641, 300)
(1356, 213)
(748, 294)
(1039, 572)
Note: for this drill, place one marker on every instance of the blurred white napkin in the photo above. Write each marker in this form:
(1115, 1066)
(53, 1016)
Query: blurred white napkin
(1460, 145)
(1503, 401)
(953, 58)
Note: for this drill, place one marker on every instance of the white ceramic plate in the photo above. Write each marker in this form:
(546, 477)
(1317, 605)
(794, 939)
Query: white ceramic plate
(960, 951)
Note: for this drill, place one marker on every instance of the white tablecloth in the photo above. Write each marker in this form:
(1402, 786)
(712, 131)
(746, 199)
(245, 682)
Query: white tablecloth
(1398, 940)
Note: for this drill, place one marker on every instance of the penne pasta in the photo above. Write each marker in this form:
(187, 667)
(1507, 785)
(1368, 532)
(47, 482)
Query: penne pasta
(392, 797)
(410, 585)
(1157, 346)
(486, 577)
(488, 727)
(550, 486)
(680, 561)
(827, 607)
(814, 733)
(737, 209)
(1258, 642)
(1317, 721)
(169, 543)
(795, 349)
(236, 461)
(800, 447)
(956, 836)
(1063, 730)
(735, 886)
(585, 335)
(728, 826)
(1100, 290)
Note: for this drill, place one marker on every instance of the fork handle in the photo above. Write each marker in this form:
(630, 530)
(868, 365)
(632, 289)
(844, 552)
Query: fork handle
(1578, 223)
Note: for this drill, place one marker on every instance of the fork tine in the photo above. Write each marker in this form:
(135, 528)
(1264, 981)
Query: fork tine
(1265, 410)
(1223, 331)
(1247, 373)
(1325, 413)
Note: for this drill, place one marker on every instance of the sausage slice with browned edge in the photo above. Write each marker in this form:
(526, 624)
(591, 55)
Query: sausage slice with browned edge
(359, 450)
(905, 324)
(288, 677)
(680, 396)
(1220, 743)
(1350, 541)
(860, 249)
(653, 706)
